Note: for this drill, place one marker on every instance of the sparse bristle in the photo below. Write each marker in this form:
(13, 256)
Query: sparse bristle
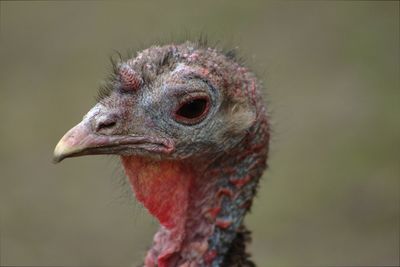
(126, 78)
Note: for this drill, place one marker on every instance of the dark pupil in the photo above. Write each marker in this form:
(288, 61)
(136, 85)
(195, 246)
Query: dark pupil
(193, 108)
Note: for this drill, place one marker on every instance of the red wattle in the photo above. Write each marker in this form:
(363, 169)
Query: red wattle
(163, 188)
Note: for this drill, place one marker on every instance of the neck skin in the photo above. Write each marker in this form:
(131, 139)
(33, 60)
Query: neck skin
(200, 210)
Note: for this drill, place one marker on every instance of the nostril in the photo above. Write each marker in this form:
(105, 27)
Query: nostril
(105, 124)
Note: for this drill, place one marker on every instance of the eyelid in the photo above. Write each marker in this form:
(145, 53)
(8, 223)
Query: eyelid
(185, 96)
(197, 77)
(195, 83)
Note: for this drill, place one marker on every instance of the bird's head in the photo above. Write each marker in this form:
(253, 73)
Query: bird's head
(191, 129)
(174, 102)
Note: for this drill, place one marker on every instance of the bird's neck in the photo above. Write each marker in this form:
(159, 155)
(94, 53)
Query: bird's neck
(200, 205)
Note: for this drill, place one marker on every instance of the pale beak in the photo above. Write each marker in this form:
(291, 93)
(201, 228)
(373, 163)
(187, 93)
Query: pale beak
(76, 141)
(83, 140)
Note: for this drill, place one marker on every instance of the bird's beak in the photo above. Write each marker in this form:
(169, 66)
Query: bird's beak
(85, 139)
(76, 141)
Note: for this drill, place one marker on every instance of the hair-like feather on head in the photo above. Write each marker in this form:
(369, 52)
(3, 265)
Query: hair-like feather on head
(127, 76)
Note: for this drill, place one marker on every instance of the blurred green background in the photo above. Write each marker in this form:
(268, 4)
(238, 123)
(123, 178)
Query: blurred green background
(331, 75)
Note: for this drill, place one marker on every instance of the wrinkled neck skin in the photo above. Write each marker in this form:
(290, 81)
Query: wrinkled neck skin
(200, 205)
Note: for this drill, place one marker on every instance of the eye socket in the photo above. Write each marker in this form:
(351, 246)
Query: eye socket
(193, 110)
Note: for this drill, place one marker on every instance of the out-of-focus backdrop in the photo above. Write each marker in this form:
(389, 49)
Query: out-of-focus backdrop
(331, 75)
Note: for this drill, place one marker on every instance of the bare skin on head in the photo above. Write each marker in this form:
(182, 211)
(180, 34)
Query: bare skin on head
(192, 131)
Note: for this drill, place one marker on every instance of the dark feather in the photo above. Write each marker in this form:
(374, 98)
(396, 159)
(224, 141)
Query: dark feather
(237, 255)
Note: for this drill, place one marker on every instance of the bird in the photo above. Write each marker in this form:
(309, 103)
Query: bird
(192, 131)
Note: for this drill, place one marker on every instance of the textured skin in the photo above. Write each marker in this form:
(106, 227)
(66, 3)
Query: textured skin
(198, 180)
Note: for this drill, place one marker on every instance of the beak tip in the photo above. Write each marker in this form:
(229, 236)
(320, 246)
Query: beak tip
(73, 142)
(58, 154)
(62, 151)
(57, 158)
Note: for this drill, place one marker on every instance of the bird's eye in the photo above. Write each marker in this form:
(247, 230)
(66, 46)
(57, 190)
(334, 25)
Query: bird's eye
(193, 110)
